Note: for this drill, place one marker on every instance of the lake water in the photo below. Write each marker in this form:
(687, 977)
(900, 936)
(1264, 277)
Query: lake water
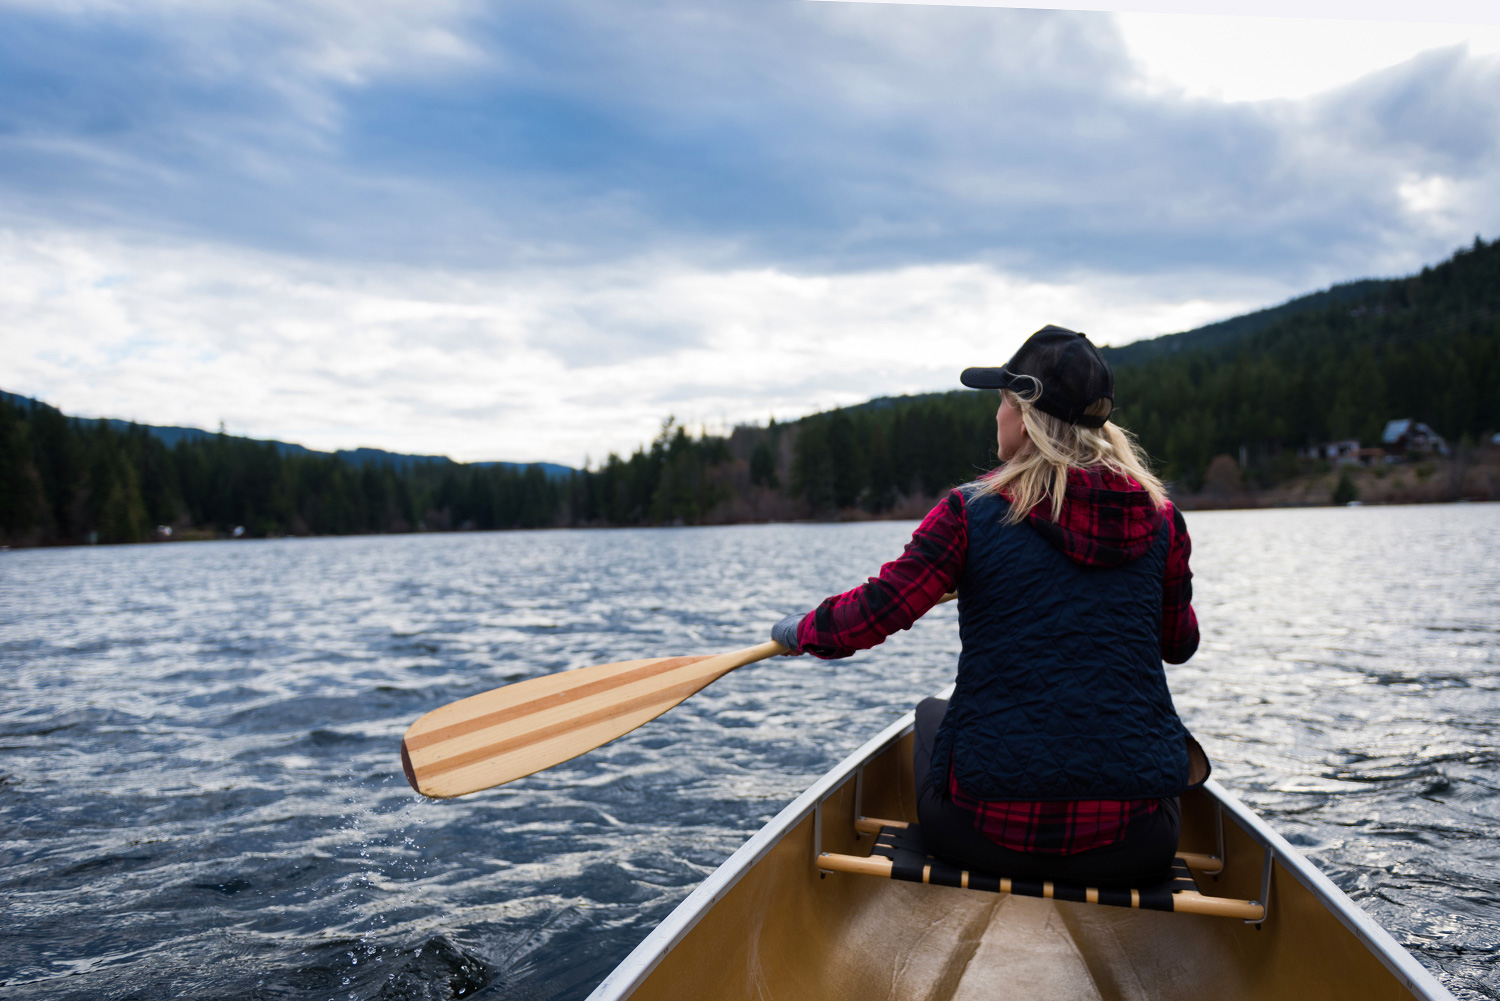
(200, 792)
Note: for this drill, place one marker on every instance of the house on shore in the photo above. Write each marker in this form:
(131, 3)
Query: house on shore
(1340, 453)
(1408, 435)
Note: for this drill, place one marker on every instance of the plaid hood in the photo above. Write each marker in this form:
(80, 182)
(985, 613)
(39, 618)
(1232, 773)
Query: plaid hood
(1107, 520)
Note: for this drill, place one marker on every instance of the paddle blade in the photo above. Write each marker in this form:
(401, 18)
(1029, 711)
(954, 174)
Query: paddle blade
(501, 735)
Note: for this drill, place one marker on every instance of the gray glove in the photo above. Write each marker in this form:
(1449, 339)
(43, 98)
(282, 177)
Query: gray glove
(785, 631)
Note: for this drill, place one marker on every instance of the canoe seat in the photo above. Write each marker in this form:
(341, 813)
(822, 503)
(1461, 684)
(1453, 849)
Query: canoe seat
(900, 853)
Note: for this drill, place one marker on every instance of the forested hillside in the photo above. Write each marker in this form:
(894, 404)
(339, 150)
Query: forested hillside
(1336, 364)
(65, 480)
(1426, 347)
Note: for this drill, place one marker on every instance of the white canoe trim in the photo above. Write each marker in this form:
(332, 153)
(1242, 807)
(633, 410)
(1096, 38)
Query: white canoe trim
(1412, 974)
(646, 956)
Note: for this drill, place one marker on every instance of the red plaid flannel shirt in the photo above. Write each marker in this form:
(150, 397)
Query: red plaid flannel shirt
(1107, 520)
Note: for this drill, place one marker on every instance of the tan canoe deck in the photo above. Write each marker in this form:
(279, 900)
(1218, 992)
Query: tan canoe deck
(768, 924)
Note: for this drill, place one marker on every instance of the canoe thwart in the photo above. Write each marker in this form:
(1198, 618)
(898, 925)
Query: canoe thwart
(873, 825)
(899, 853)
(1210, 865)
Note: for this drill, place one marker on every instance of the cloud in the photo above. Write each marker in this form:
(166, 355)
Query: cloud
(818, 137)
(514, 365)
(1258, 58)
(1422, 113)
(532, 230)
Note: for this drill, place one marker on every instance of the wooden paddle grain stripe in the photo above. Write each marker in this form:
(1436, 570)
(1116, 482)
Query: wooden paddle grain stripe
(666, 698)
(545, 702)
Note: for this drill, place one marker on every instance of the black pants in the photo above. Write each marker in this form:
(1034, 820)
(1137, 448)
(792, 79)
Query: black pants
(1145, 853)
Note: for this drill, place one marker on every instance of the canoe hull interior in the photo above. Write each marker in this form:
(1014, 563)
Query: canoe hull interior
(780, 930)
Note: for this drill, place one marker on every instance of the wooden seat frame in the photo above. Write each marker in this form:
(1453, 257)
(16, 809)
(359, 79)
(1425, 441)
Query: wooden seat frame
(1178, 893)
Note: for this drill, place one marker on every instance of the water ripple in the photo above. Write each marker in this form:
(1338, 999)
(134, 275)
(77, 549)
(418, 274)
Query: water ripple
(199, 791)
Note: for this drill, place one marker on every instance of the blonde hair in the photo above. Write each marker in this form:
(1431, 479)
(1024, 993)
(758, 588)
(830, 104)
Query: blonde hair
(1038, 472)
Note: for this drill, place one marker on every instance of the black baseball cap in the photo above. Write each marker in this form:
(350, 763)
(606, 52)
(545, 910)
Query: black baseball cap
(1068, 370)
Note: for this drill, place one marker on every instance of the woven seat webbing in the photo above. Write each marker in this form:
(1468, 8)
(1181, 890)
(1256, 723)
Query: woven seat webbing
(910, 861)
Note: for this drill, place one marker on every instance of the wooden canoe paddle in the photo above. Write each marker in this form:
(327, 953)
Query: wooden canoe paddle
(501, 735)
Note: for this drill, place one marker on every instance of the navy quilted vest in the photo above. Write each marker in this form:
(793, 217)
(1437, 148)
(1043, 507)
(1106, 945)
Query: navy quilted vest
(1061, 692)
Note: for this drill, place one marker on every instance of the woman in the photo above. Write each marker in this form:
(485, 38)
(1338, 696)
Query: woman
(1060, 753)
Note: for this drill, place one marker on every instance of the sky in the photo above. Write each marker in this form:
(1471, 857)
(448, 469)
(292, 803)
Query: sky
(533, 230)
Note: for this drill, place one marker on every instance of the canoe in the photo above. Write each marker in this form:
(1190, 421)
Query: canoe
(805, 911)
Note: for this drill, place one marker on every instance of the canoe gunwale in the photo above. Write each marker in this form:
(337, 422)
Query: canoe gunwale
(1413, 975)
(645, 957)
(649, 953)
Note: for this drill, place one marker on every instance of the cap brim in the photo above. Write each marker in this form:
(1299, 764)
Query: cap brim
(987, 378)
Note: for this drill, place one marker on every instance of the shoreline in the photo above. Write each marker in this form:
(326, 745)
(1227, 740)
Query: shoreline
(1248, 501)
(1468, 477)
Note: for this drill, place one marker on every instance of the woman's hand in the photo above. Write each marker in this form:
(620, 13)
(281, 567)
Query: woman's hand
(785, 633)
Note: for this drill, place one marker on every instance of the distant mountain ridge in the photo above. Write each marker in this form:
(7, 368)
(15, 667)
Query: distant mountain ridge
(1224, 332)
(170, 435)
(1208, 337)
(1251, 393)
